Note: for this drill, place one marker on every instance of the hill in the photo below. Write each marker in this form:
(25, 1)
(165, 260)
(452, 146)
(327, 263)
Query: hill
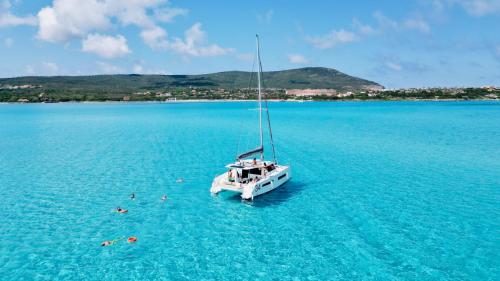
(303, 78)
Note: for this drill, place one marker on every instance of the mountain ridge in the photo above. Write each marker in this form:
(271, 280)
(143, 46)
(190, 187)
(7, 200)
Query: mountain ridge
(298, 78)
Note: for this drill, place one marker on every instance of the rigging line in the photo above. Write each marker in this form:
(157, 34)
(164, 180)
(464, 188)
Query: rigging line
(248, 91)
(260, 99)
(268, 116)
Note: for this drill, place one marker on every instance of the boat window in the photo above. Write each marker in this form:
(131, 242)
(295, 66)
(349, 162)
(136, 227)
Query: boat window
(270, 168)
(282, 176)
(267, 183)
(244, 174)
(255, 171)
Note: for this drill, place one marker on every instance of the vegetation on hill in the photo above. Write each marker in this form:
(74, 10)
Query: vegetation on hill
(311, 77)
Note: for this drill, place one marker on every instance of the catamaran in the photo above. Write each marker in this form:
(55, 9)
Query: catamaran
(253, 177)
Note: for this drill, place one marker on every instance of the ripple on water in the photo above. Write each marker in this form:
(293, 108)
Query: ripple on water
(380, 191)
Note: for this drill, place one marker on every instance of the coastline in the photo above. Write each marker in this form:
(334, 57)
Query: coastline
(240, 100)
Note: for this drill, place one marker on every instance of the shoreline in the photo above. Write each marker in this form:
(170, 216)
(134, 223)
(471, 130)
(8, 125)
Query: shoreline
(237, 101)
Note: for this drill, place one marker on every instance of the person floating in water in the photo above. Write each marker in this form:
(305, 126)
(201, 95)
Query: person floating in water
(121, 211)
(132, 196)
(164, 197)
(109, 243)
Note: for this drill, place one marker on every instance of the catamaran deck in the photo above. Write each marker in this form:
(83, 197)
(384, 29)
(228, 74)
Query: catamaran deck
(235, 187)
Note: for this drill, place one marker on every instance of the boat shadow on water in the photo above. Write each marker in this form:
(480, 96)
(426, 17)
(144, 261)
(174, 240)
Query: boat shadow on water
(273, 198)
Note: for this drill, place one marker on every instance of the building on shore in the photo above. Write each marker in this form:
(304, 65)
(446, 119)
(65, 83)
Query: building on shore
(489, 88)
(346, 94)
(311, 92)
(166, 94)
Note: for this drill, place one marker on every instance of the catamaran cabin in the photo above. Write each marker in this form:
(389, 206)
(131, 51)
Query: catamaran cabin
(246, 171)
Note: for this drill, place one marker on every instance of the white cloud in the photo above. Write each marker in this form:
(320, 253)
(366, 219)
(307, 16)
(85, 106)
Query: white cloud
(266, 17)
(193, 44)
(168, 14)
(481, 7)
(71, 18)
(8, 19)
(390, 64)
(8, 42)
(49, 68)
(245, 57)
(140, 69)
(106, 46)
(297, 59)
(394, 66)
(362, 28)
(417, 24)
(472, 7)
(155, 37)
(107, 68)
(132, 11)
(332, 39)
(385, 22)
(46, 68)
(66, 19)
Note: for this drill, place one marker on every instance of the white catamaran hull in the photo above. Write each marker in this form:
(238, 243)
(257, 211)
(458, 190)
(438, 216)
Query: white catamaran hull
(270, 181)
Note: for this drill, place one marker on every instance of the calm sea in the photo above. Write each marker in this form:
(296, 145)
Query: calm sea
(380, 191)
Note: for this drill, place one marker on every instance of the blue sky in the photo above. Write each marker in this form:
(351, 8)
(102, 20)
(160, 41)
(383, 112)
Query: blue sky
(396, 43)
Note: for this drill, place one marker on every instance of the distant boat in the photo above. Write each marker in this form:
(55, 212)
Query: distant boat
(253, 177)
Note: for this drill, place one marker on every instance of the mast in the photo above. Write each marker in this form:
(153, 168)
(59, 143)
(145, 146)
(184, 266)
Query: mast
(260, 100)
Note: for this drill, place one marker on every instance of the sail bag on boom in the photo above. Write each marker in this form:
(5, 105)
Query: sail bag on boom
(259, 149)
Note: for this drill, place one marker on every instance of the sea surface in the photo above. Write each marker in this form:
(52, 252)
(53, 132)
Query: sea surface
(380, 191)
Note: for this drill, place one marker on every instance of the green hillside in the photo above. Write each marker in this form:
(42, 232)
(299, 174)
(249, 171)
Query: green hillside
(311, 77)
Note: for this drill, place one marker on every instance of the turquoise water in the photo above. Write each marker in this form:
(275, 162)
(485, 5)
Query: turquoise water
(380, 191)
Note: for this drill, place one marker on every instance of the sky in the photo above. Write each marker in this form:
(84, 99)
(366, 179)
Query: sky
(399, 44)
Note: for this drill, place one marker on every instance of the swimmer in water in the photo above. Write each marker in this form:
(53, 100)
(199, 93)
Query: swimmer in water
(164, 197)
(120, 210)
(106, 243)
(132, 196)
(109, 243)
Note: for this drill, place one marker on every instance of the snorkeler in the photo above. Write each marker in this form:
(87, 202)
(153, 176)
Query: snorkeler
(106, 243)
(121, 211)
(132, 196)
(111, 242)
(164, 197)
